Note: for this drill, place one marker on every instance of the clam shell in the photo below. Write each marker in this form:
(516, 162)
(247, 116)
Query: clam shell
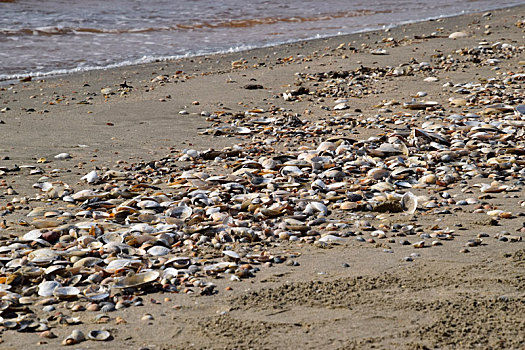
(158, 251)
(409, 202)
(331, 239)
(99, 335)
(119, 264)
(66, 293)
(179, 262)
(181, 212)
(90, 177)
(46, 288)
(138, 279)
(230, 254)
(458, 35)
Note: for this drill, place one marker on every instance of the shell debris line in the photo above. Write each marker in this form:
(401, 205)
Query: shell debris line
(178, 223)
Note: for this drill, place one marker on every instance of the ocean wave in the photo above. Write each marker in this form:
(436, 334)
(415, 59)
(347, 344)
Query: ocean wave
(238, 23)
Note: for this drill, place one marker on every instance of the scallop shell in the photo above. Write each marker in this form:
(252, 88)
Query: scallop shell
(138, 279)
(409, 202)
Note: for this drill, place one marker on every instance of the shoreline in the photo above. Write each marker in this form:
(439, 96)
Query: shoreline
(21, 77)
(447, 274)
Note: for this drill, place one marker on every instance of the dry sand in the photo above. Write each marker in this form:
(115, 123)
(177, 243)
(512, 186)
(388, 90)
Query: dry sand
(442, 299)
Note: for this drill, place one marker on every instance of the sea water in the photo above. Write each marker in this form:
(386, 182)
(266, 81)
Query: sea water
(45, 37)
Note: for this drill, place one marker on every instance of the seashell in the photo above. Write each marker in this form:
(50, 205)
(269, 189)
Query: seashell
(62, 156)
(96, 293)
(341, 106)
(326, 146)
(120, 264)
(148, 204)
(85, 194)
(291, 170)
(66, 293)
(90, 177)
(429, 179)
(458, 102)
(158, 251)
(43, 256)
(231, 255)
(269, 163)
(46, 288)
(378, 173)
(32, 235)
(137, 280)
(319, 185)
(409, 202)
(331, 239)
(181, 212)
(382, 187)
(99, 335)
(87, 262)
(179, 262)
(316, 207)
(75, 337)
(36, 212)
(458, 35)
(414, 105)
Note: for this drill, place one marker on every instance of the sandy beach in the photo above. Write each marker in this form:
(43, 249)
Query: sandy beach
(372, 286)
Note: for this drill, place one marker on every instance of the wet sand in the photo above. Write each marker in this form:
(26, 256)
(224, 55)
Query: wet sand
(349, 295)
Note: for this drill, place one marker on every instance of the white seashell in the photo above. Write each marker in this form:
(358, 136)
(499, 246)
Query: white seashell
(90, 177)
(99, 335)
(319, 185)
(148, 204)
(330, 239)
(65, 293)
(137, 279)
(181, 212)
(46, 288)
(83, 195)
(119, 264)
(316, 207)
(158, 251)
(291, 170)
(63, 156)
(409, 202)
(231, 254)
(457, 35)
(431, 79)
(75, 337)
(379, 52)
(341, 106)
(326, 146)
(32, 235)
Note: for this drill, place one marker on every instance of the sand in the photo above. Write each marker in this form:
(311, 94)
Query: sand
(442, 299)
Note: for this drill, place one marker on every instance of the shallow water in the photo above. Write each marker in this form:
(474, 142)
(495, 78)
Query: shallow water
(52, 36)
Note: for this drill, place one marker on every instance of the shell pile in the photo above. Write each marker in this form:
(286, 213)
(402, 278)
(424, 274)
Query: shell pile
(177, 223)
